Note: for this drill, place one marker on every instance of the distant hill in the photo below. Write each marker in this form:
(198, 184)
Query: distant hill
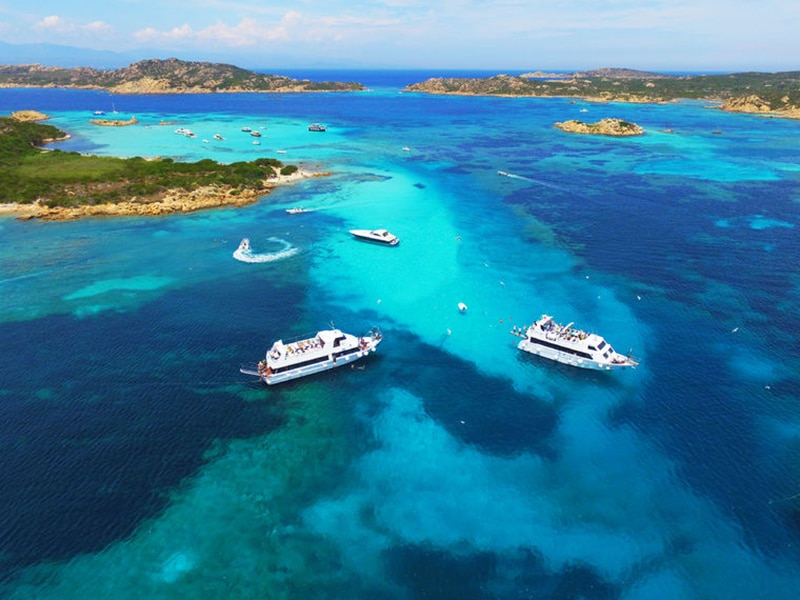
(62, 56)
(613, 73)
(170, 76)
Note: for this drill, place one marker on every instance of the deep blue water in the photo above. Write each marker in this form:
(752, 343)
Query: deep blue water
(138, 462)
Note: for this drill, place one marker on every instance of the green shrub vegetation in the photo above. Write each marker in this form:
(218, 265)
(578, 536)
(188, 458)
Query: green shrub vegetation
(56, 178)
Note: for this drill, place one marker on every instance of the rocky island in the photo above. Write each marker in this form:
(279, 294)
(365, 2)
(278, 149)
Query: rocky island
(611, 127)
(768, 94)
(170, 76)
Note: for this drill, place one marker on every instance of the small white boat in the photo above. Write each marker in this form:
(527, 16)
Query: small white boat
(565, 344)
(218, 137)
(317, 127)
(246, 129)
(244, 245)
(462, 307)
(328, 349)
(380, 236)
(297, 210)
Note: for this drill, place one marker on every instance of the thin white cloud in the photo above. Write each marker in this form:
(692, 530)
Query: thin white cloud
(248, 32)
(97, 27)
(54, 23)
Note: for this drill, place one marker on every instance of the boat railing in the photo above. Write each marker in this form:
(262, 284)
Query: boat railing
(519, 331)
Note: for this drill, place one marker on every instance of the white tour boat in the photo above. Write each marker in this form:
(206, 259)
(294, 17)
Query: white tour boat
(376, 235)
(328, 349)
(565, 344)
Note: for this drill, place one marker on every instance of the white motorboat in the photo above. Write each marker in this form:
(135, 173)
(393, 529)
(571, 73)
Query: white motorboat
(571, 346)
(297, 210)
(328, 349)
(380, 236)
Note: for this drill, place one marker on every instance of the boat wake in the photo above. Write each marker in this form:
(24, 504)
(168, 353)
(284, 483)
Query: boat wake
(244, 252)
(532, 180)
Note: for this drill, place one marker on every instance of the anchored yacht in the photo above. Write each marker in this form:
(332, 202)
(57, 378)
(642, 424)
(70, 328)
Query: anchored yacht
(328, 349)
(571, 346)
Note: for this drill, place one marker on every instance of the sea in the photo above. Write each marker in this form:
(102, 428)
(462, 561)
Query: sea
(137, 462)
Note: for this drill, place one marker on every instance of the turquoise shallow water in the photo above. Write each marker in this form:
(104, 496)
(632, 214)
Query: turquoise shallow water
(139, 463)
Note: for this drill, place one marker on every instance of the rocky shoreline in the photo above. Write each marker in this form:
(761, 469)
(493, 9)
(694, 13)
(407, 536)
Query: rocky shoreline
(174, 201)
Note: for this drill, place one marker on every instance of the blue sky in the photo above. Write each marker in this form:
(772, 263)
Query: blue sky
(729, 35)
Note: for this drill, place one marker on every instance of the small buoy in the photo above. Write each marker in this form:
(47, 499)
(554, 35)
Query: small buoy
(462, 307)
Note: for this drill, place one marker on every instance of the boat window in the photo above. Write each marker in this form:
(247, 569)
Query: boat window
(592, 348)
(338, 341)
(601, 345)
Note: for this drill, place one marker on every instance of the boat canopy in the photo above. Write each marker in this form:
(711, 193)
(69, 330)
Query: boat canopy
(331, 338)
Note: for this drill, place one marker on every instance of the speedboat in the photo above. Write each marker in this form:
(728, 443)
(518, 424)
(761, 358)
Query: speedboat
(317, 127)
(328, 349)
(571, 346)
(297, 210)
(244, 245)
(380, 236)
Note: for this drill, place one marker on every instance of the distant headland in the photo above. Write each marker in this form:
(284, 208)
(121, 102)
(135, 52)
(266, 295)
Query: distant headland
(768, 94)
(56, 185)
(170, 76)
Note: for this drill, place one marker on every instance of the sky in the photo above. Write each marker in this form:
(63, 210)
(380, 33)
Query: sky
(665, 35)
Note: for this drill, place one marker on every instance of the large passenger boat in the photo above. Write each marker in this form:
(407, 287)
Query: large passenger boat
(328, 349)
(571, 346)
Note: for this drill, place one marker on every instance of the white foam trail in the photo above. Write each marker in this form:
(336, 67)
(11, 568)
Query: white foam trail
(245, 254)
(532, 180)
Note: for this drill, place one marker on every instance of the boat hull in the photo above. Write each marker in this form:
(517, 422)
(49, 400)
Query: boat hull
(568, 358)
(327, 350)
(319, 367)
